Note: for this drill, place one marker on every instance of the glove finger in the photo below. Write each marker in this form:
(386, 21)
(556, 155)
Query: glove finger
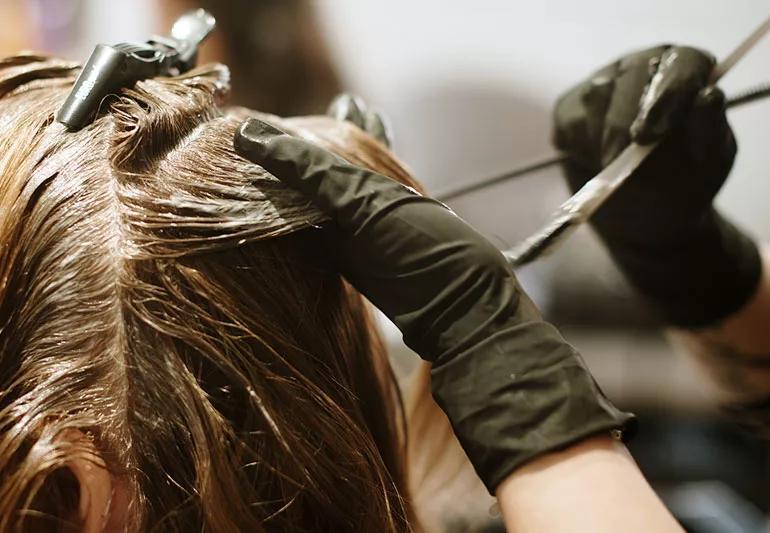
(707, 125)
(348, 107)
(710, 140)
(349, 194)
(378, 127)
(578, 121)
(633, 76)
(681, 73)
(578, 117)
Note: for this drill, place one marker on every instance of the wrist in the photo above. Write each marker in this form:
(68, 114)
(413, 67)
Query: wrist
(697, 278)
(522, 393)
(593, 485)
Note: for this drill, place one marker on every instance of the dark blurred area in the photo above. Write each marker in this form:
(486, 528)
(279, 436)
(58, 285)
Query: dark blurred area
(710, 473)
(278, 58)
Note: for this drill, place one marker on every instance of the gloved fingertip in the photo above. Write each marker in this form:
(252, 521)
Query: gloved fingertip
(711, 98)
(377, 127)
(708, 131)
(251, 136)
(705, 59)
(337, 105)
(257, 129)
(599, 88)
(347, 107)
(707, 117)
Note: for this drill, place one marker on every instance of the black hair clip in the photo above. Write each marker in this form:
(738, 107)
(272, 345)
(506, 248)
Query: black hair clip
(110, 68)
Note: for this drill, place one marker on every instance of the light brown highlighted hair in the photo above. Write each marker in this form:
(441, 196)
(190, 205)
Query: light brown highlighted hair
(172, 304)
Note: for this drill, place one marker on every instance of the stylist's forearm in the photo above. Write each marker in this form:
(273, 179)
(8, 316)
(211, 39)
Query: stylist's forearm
(593, 486)
(735, 352)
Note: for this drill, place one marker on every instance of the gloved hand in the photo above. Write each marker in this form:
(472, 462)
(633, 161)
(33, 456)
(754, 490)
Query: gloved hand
(508, 382)
(353, 109)
(661, 226)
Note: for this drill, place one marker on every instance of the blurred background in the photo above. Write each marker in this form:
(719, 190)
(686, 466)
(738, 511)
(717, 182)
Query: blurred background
(468, 91)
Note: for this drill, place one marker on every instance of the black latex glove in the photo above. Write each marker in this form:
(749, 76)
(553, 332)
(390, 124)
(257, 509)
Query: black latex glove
(353, 109)
(661, 227)
(509, 383)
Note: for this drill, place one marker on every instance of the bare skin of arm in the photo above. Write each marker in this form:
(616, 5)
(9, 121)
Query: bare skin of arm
(593, 486)
(596, 485)
(735, 354)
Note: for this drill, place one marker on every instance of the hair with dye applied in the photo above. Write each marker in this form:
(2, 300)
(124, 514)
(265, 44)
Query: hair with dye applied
(172, 306)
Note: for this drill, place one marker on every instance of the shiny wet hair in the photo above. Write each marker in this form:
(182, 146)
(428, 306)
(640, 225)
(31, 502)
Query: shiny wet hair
(173, 303)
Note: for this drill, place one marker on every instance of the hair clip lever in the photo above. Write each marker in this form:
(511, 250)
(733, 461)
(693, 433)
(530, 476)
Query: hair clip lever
(113, 67)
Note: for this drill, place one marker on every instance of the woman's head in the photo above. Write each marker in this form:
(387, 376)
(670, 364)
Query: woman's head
(171, 328)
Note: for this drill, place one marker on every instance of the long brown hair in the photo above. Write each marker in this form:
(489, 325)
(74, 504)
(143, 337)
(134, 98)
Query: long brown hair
(173, 303)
